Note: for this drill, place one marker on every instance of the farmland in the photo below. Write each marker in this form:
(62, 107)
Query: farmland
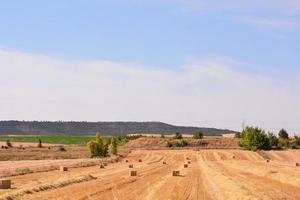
(212, 174)
(53, 139)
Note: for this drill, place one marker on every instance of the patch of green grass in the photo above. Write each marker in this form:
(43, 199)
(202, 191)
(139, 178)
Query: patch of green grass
(55, 139)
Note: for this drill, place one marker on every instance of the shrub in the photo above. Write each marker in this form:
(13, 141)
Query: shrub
(8, 143)
(169, 143)
(284, 143)
(238, 135)
(254, 139)
(279, 145)
(114, 146)
(97, 147)
(162, 136)
(183, 143)
(297, 140)
(40, 143)
(293, 146)
(283, 134)
(198, 135)
(61, 148)
(178, 135)
(273, 139)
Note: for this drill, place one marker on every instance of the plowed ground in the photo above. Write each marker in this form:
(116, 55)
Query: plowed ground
(212, 174)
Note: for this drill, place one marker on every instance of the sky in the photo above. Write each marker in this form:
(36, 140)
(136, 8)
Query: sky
(185, 62)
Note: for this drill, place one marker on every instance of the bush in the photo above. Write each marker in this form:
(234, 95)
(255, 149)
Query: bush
(169, 143)
(283, 134)
(293, 146)
(198, 135)
(238, 135)
(61, 148)
(8, 143)
(178, 135)
(255, 139)
(162, 136)
(96, 147)
(114, 146)
(297, 140)
(284, 143)
(273, 139)
(183, 143)
(40, 143)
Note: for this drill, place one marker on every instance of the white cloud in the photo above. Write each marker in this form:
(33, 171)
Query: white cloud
(214, 92)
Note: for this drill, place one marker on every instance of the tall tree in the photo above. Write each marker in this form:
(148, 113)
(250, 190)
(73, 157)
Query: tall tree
(283, 134)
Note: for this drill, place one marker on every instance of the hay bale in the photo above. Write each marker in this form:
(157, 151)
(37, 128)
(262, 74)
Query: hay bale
(130, 166)
(297, 164)
(140, 160)
(185, 165)
(176, 173)
(101, 166)
(5, 184)
(63, 169)
(132, 173)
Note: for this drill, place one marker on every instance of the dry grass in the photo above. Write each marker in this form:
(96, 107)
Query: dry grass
(50, 167)
(46, 187)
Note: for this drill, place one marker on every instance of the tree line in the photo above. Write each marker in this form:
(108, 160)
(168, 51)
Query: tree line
(254, 138)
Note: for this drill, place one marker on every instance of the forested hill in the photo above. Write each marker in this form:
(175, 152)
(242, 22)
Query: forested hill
(90, 128)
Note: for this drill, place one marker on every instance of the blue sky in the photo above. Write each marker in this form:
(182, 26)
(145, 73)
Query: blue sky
(155, 33)
(187, 62)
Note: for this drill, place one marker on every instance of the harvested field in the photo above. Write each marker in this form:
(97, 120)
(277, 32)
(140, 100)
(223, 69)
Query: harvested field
(214, 174)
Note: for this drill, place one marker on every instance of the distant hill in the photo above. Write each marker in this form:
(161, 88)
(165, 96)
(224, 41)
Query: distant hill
(90, 128)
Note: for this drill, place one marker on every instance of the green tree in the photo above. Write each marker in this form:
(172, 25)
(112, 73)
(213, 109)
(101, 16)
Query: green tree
(40, 143)
(96, 146)
(114, 146)
(297, 140)
(178, 135)
(283, 134)
(273, 139)
(254, 139)
(198, 135)
(105, 150)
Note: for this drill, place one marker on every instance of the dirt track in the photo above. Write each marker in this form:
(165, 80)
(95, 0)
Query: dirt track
(212, 174)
